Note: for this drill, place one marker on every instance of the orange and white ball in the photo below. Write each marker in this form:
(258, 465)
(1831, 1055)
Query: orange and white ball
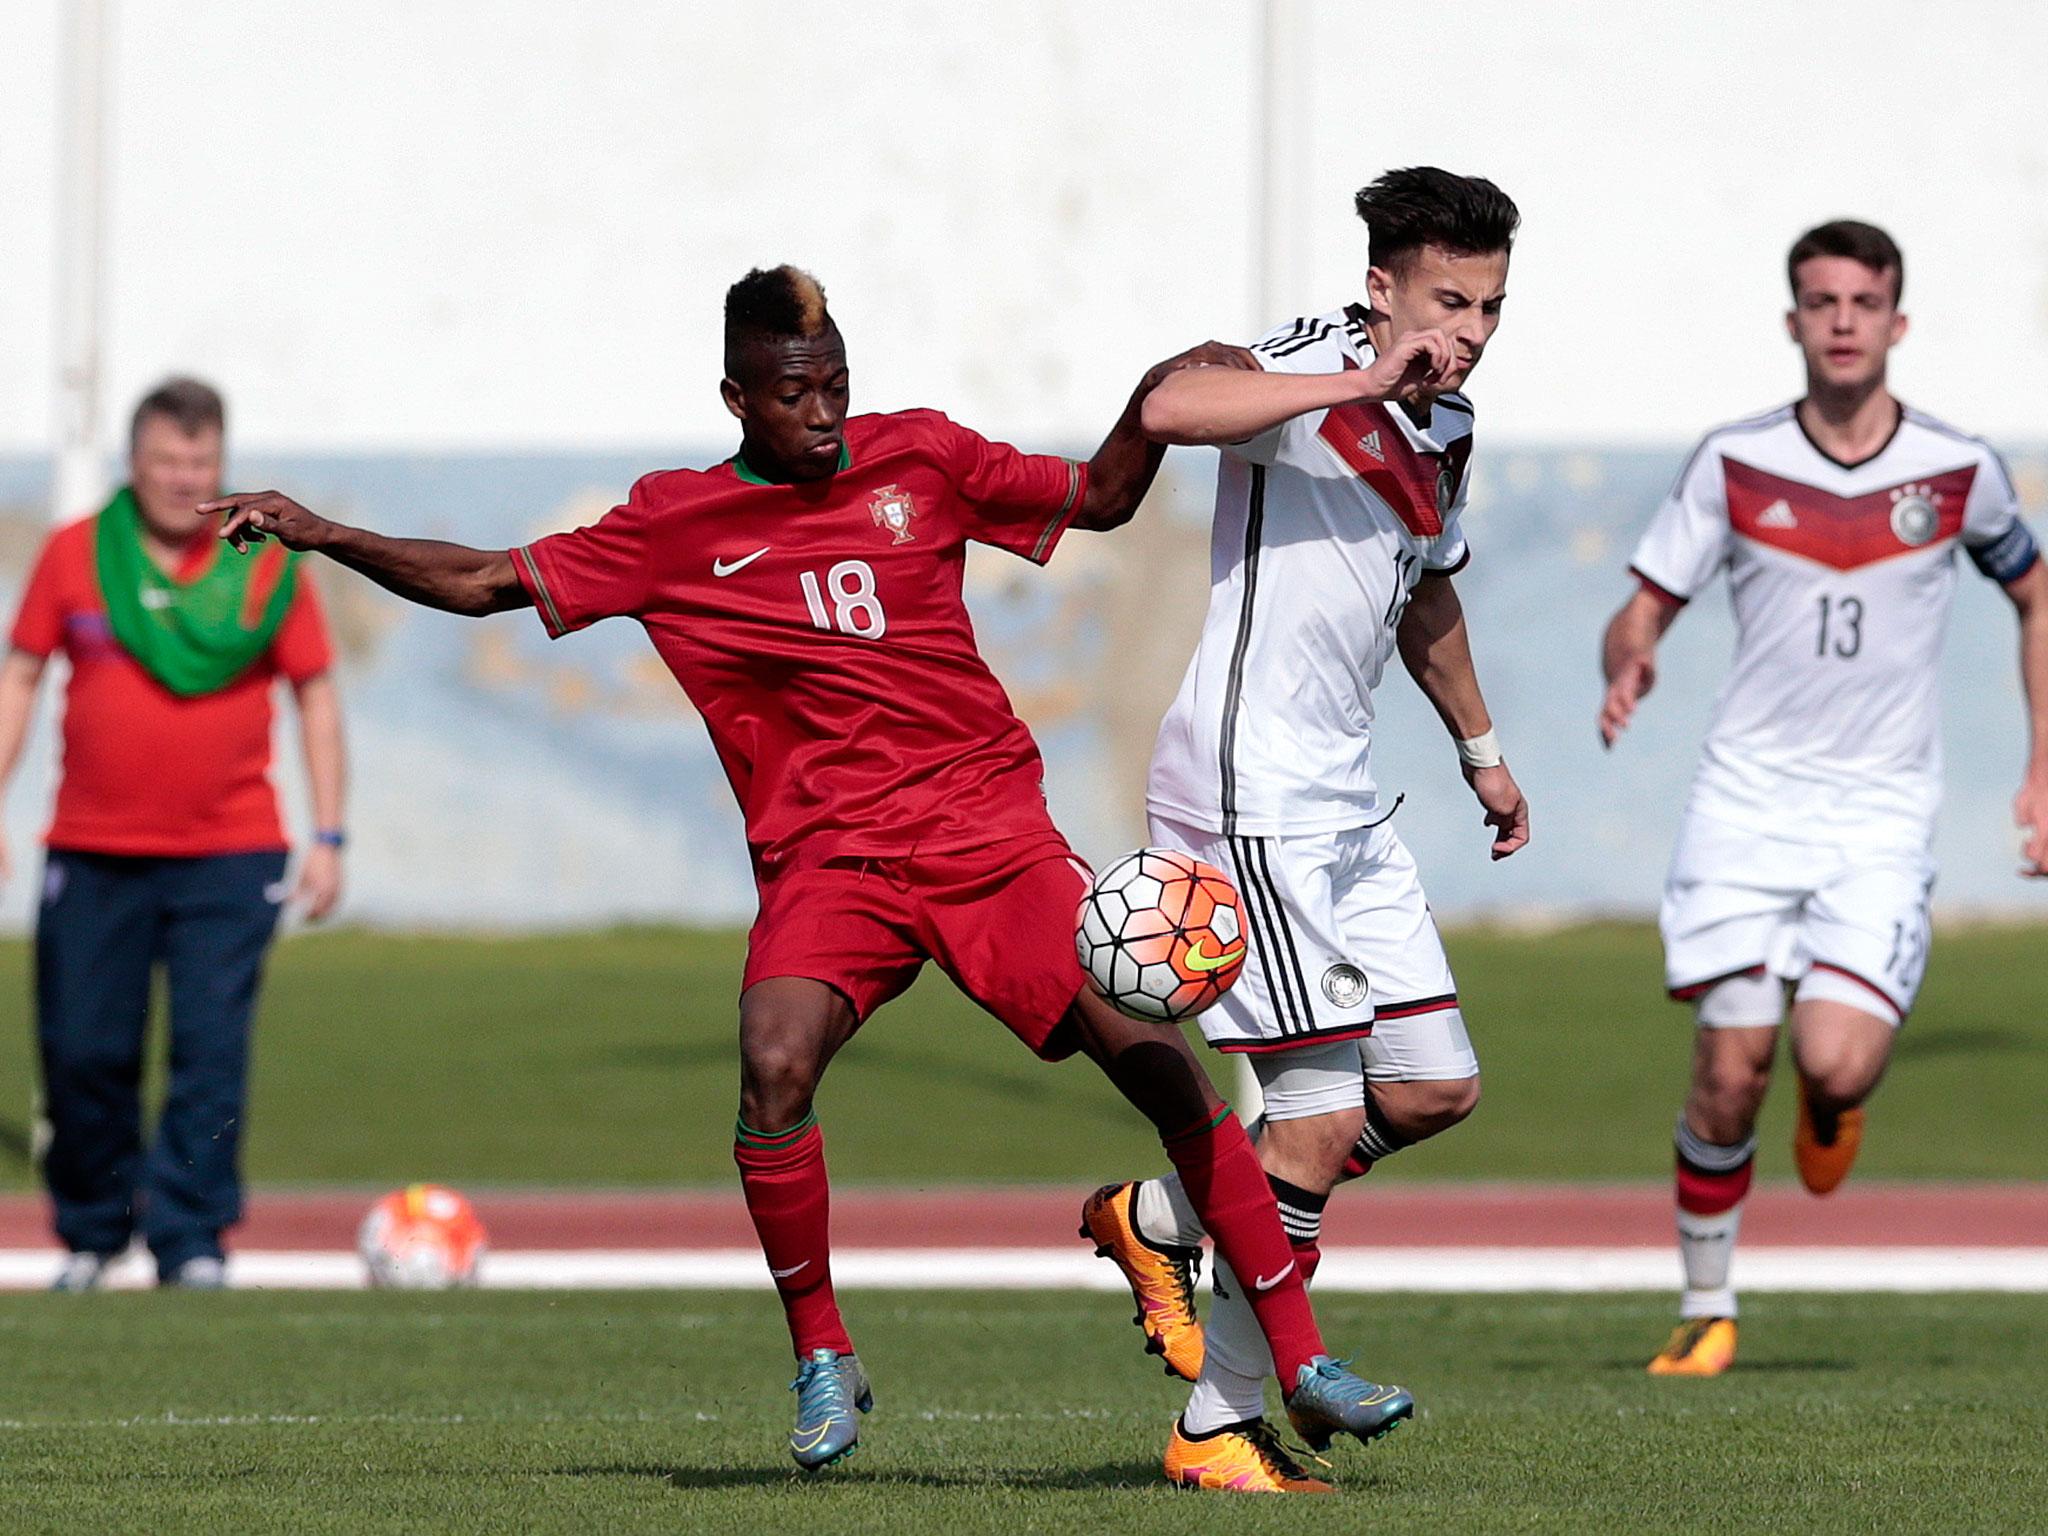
(1161, 934)
(422, 1238)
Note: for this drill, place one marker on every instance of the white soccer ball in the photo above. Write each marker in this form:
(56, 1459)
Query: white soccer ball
(1160, 934)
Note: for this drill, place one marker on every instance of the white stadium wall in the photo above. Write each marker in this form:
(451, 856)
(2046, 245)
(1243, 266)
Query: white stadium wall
(459, 268)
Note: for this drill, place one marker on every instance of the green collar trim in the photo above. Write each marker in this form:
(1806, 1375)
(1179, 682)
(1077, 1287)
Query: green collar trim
(748, 473)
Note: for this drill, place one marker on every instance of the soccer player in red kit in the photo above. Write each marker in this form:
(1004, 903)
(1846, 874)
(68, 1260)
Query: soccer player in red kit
(806, 593)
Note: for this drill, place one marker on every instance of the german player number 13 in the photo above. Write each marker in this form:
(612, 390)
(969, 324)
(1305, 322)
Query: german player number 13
(856, 609)
(1841, 627)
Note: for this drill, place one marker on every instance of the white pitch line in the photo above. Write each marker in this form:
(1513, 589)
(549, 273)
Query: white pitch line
(1072, 1268)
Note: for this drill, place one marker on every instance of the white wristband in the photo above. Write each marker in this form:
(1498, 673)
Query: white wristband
(1481, 751)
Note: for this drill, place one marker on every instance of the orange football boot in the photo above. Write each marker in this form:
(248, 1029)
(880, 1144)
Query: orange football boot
(1162, 1279)
(1822, 1166)
(1245, 1458)
(1700, 1346)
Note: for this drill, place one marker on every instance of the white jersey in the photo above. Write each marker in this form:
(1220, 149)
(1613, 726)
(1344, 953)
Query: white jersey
(1323, 526)
(1841, 575)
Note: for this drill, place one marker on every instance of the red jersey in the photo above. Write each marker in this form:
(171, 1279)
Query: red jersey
(146, 772)
(821, 632)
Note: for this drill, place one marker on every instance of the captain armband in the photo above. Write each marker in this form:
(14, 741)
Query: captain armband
(2009, 556)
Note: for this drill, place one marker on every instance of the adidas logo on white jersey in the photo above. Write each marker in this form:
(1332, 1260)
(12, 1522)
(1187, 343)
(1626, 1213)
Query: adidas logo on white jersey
(1370, 443)
(1777, 515)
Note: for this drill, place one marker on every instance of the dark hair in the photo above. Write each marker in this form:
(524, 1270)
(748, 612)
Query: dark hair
(773, 304)
(190, 404)
(1407, 209)
(1857, 241)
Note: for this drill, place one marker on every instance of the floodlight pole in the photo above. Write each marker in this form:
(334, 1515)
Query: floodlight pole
(1285, 120)
(79, 482)
(1280, 224)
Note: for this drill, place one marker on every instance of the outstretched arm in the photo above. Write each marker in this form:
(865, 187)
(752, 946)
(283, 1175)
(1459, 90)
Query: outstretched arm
(1438, 655)
(1628, 657)
(451, 577)
(2029, 594)
(1218, 407)
(1124, 466)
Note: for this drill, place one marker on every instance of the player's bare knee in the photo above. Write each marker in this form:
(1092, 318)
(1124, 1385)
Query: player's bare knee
(1726, 1096)
(776, 1086)
(1428, 1106)
(1839, 1074)
(1455, 1100)
(1310, 1151)
(1724, 1101)
(787, 1034)
(1840, 1082)
(1733, 1088)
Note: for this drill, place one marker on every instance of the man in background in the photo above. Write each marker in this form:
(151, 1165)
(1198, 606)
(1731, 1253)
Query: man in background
(166, 848)
(1804, 861)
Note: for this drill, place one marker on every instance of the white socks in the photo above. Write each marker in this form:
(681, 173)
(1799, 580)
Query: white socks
(1705, 1245)
(1163, 1214)
(1235, 1362)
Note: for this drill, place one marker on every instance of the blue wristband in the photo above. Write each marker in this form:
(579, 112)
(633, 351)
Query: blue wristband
(330, 837)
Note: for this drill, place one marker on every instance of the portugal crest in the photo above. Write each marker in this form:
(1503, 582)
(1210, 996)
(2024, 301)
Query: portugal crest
(893, 509)
(1915, 514)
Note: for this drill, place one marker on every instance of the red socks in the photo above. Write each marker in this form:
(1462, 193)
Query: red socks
(1307, 1256)
(783, 1174)
(1221, 1173)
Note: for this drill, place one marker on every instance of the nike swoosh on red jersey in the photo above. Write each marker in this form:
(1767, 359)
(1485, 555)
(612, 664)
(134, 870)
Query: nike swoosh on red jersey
(727, 567)
(784, 1274)
(1264, 1284)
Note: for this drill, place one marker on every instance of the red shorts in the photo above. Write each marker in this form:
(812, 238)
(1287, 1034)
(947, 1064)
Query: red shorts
(999, 920)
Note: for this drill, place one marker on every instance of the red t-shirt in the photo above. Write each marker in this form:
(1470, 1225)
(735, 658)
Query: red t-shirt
(821, 632)
(146, 772)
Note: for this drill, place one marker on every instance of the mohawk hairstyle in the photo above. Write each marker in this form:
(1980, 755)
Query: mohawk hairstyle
(1407, 209)
(1857, 241)
(773, 304)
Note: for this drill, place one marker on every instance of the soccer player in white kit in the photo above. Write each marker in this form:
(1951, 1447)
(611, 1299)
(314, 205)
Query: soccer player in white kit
(1343, 481)
(1803, 859)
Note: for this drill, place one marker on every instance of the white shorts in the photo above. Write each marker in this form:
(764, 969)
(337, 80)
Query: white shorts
(1343, 952)
(1738, 904)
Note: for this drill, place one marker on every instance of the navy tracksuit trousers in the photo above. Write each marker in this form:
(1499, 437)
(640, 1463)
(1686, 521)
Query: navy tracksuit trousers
(106, 923)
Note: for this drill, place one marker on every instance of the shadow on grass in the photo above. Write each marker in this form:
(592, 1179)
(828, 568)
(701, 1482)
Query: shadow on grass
(1121, 1474)
(1977, 1040)
(1752, 1367)
(1018, 1082)
(16, 1145)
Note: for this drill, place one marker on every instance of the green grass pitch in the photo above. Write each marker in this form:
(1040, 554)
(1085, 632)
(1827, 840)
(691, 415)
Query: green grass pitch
(999, 1413)
(611, 1059)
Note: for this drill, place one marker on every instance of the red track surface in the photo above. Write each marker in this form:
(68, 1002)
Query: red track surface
(1380, 1215)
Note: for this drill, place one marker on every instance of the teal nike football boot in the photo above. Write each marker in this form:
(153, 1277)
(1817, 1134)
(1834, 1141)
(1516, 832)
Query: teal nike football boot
(1328, 1400)
(829, 1387)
